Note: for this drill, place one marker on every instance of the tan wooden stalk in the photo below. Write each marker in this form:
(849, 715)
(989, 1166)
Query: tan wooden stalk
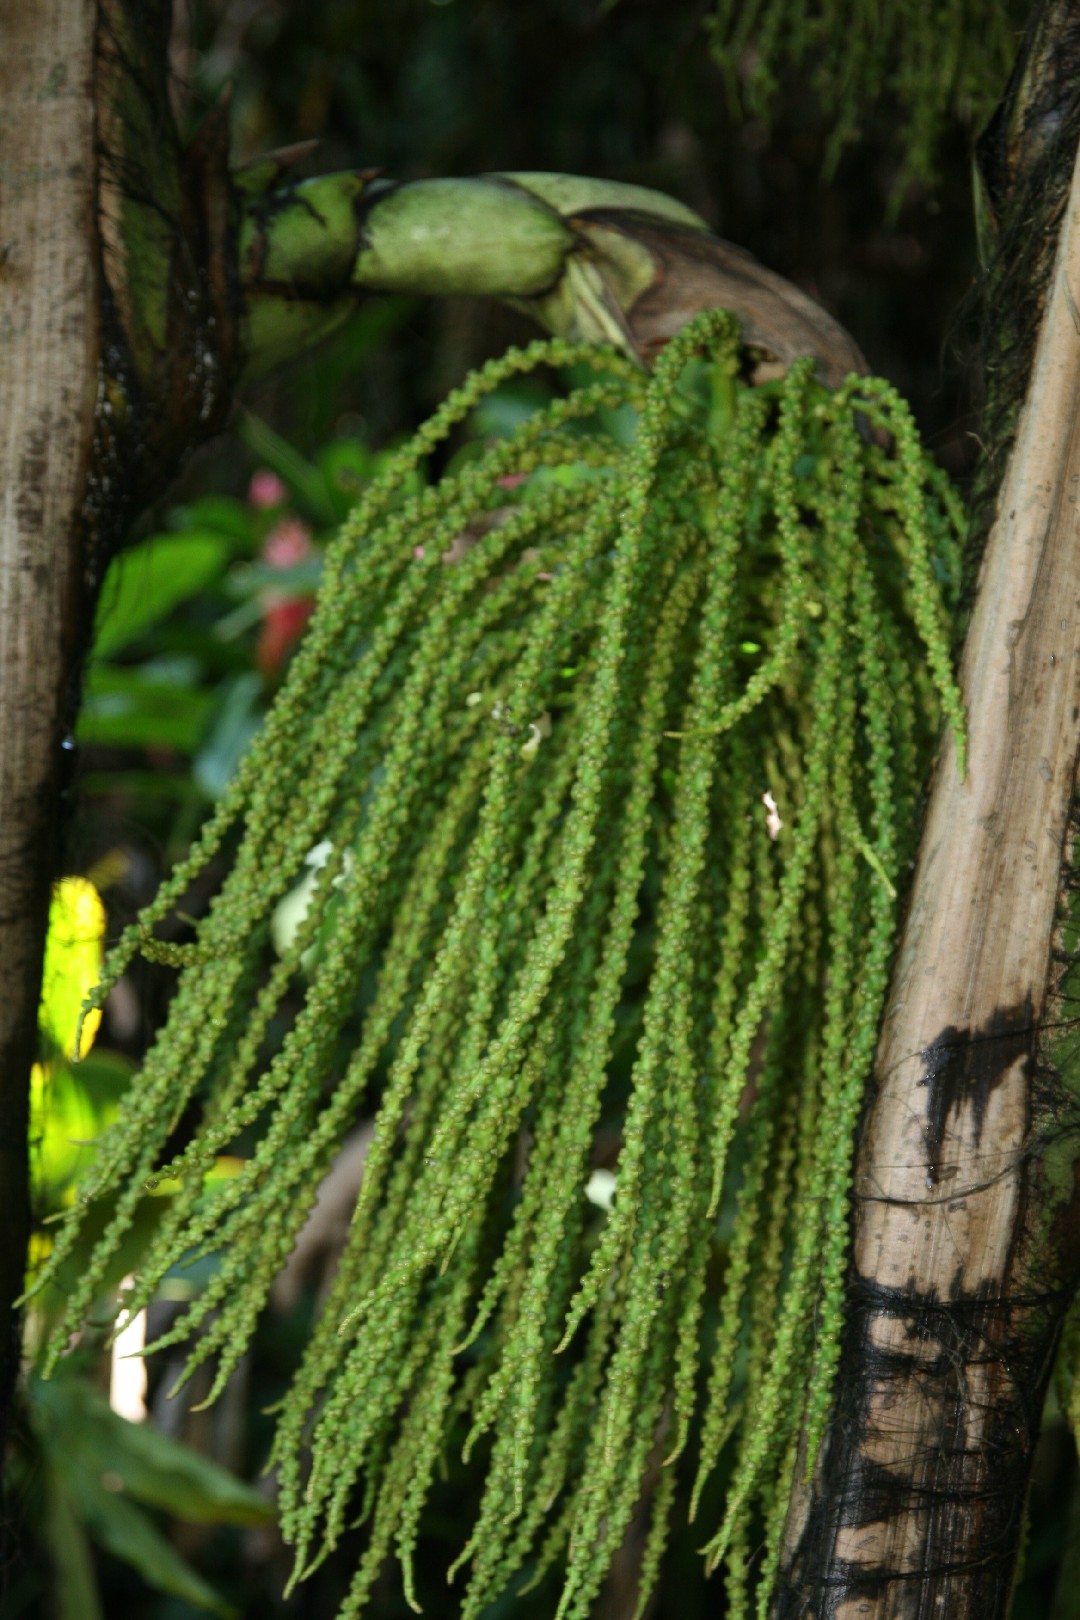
(965, 1244)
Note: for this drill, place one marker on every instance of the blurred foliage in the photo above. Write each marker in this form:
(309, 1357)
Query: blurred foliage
(98, 1473)
(194, 624)
(193, 629)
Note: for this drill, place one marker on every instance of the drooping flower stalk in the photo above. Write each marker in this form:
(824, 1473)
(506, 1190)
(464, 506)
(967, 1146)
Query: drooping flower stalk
(615, 744)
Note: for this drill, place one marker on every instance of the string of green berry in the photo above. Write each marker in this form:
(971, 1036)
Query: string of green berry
(929, 64)
(614, 740)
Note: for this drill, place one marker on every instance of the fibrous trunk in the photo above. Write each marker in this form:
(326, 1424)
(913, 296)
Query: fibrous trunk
(115, 356)
(48, 378)
(965, 1251)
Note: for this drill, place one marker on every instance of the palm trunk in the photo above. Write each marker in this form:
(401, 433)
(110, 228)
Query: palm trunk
(111, 276)
(967, 1213)
(48, 381)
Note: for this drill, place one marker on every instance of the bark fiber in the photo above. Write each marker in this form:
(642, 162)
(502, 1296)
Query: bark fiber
(48, 382)
(965, 1251)
(117, 356)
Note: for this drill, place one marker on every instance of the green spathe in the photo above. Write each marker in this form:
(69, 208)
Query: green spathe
(437, 236)
(574, 194)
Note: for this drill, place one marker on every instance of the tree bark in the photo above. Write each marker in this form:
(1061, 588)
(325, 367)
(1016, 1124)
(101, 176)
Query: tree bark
(967, 1212)
(49, 339)
(117, 356)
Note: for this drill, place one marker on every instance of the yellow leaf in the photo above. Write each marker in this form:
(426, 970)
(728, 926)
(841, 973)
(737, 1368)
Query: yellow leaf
(73, 956)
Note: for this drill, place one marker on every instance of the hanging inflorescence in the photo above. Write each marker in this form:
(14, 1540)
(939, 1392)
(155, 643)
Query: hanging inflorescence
(612, 743)
(932, 61)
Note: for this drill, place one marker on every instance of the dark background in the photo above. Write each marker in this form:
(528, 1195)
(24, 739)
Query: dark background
(626, 91)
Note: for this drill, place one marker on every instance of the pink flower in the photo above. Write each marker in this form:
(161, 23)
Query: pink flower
(265, 490)
(288, 543)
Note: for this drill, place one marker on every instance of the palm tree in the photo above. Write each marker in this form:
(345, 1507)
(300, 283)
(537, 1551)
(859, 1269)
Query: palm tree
(139, 279)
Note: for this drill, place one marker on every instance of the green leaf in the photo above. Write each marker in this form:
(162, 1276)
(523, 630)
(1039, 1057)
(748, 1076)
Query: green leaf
(147, 582)
(238, 718)
(82, 1433)
(74, 1585)
(70, 1107)
(219, 514)
(73, 954)
(132, 1536)
(129, 708)
(100, 1467)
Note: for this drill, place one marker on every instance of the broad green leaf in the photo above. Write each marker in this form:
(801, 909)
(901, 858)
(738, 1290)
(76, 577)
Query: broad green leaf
(145, 1464)
(70, 1106)
(147, 582)
(131, 1535)
(218, 514)
(99, 1467)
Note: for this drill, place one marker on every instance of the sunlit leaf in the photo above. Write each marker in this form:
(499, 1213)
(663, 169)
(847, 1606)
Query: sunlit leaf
(70, 1106)
(73, 953)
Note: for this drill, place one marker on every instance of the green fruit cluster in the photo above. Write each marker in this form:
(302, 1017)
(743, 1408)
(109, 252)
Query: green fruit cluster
(615, 740)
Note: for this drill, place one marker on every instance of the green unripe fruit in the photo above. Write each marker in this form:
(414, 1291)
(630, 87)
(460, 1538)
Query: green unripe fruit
(614, 747)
